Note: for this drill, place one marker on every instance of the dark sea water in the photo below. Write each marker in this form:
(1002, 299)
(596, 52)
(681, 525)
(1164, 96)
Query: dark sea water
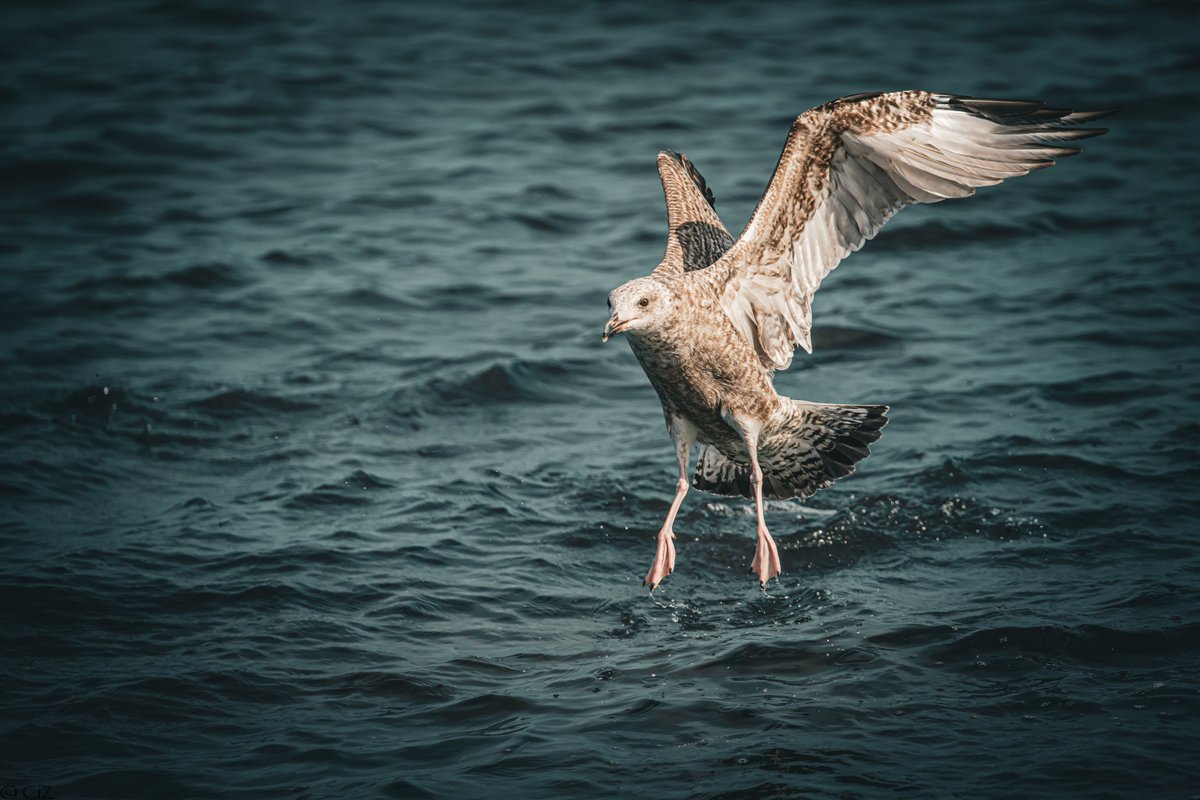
(317, 481)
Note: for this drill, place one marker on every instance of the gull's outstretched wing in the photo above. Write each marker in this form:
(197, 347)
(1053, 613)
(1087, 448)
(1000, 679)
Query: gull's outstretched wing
(695, 236)
(847, 167)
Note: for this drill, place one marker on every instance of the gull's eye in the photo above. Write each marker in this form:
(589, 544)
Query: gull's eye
(645, 301)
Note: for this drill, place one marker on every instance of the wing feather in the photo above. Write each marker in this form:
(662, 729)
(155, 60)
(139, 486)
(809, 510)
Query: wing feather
(695, 235)
(846, 169)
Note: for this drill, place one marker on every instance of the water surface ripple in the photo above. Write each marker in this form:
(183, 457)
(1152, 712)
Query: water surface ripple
(318, 482)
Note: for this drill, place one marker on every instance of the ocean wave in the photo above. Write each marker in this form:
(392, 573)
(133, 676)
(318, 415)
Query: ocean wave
(796, 659)
(1102, 390)
(160, 144)
(935, 234)
(100, 405)
(515, 381)
(832, 337)
(94, 203)
(207, 276)
(231, 403)
(316, 480)
(466, 296)
(392, 686)
(880, 522)
(1056, 462)
(355, 489)
(1093, 645)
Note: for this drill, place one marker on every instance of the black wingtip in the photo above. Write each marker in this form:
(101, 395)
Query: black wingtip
(693, 173)
(1088, 133)
(1092, 114)
(697, 179)
(1021, 112)
(1000, 110)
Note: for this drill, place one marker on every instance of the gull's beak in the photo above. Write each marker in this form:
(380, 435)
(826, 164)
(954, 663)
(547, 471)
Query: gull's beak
(613, 327)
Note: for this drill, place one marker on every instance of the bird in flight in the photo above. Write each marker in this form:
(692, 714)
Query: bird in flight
(715, 320)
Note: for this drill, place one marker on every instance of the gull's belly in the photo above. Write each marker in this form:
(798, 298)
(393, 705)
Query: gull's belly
(703, 385)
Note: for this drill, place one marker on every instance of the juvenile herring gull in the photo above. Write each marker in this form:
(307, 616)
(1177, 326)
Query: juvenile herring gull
(716, 318)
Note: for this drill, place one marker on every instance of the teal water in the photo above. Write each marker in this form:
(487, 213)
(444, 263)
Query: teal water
(316, 480)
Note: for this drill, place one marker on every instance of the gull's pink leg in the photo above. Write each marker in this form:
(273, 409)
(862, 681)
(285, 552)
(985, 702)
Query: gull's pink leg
(664, 557)
(766, 556)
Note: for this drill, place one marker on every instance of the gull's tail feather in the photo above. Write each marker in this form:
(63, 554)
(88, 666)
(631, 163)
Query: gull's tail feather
(808, 448)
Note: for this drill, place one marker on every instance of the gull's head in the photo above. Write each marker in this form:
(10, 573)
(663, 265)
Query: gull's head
(642, 304)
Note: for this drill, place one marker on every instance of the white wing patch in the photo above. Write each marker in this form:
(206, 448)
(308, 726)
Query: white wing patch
(847, 169)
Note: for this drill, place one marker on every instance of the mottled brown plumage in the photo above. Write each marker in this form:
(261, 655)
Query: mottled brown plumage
(716, 318)
(695, 236)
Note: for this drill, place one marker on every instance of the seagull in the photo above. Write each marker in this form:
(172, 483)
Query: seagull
(717, 317)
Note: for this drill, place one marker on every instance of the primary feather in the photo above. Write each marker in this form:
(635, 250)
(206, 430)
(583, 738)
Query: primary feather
(847, 168)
